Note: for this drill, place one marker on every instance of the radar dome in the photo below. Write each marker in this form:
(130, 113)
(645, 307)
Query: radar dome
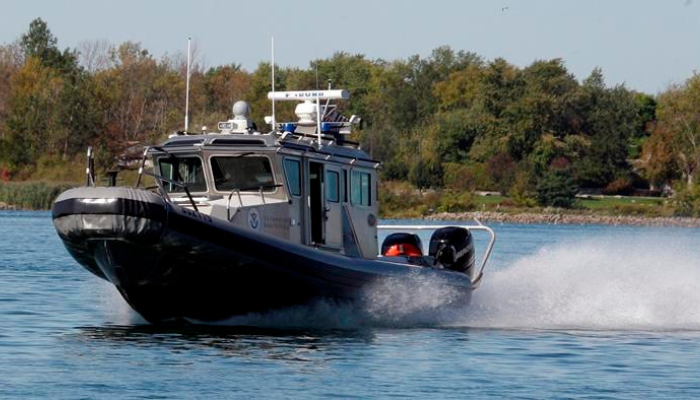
(241, 109)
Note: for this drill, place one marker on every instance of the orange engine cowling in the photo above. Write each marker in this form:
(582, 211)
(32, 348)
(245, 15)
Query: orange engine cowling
(402, 244)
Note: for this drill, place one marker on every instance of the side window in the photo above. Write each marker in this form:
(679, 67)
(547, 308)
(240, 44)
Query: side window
(332, 186)
(360, 193)
(292, 170)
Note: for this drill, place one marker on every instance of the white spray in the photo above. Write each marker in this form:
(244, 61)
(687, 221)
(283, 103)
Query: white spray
(597, 284)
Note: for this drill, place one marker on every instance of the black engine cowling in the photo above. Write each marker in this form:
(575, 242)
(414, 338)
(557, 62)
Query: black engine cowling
(402, 244)
(453, 247)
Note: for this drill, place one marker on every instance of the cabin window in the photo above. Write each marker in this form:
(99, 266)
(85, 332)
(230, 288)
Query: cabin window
(242, 172)
(332, 186)
(186, 170)
(360, 188)
(292, 169)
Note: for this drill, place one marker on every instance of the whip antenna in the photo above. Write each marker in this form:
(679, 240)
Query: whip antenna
(187, 85)
(272, 45)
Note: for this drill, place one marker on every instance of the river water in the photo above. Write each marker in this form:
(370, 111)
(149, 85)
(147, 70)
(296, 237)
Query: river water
(564, 311)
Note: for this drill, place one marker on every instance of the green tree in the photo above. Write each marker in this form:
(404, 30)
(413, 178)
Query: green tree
(426, 174)
(657, 161)
(142, 100)
(225, 85)
(256, 96)
(676, 136)
(32, 116)
(346, 71)
(49, 109)
(557, 188)
(610, 122)
(543, 108)
(11, 60)
(40, 43)
(457, 131)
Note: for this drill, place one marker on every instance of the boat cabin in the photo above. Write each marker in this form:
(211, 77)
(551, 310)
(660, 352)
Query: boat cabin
(303, 181)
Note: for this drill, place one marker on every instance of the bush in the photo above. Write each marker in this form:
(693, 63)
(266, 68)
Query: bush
(456, 202)
(52, 169)
(686, 203)
(394, 170)
(557, 188)
(400, 199)
(469, 177)
(501, 169)
(521, 191)
(426, 174)
(620, 186)
(32, 195)
(642, 210)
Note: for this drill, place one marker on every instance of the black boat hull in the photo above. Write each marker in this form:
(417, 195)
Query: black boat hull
(172, 263)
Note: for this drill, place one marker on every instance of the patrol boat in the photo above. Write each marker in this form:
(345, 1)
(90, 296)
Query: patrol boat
(241, 221)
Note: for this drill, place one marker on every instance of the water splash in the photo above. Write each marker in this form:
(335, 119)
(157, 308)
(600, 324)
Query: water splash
(113, 306)
(411, 301)
(321, 314)
(398, 302)
(606, 284)
(595, 284)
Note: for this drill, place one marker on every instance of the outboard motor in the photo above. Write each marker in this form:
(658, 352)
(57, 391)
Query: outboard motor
(453, 248)
(402, 244)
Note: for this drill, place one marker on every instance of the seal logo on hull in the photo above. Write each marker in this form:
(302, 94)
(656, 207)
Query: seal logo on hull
(254, 219)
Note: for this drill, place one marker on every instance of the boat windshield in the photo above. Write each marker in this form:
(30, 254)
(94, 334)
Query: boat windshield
(186, 170)
(242, 172)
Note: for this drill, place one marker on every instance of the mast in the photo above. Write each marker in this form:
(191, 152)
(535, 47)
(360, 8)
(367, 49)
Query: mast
(272, 45)
(187, 85)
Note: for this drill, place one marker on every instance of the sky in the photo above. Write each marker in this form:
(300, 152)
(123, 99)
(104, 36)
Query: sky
(646, 45)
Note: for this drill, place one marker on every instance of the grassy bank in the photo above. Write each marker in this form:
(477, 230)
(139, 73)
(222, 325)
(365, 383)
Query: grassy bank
(31, 195)
(36, 187)
(399, 200)
(601, 205)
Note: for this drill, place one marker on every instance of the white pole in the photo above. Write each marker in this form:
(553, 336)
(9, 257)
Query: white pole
(187, 85)
(272, 45)
(318, 121)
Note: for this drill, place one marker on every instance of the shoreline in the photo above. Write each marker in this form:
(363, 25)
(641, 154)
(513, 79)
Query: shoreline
(544, 218)
(567, 219)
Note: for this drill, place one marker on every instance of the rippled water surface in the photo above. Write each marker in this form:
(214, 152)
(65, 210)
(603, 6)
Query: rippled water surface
(564, 311)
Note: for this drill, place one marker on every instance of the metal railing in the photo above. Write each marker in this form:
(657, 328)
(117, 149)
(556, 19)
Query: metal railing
(90, 169)
(160, 179)
(240, 199)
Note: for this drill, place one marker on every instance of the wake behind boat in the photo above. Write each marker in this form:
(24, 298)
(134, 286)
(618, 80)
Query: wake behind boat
(241, 221)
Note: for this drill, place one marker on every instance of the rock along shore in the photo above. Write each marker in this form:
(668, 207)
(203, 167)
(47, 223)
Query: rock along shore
(5, 206)
(554, 218)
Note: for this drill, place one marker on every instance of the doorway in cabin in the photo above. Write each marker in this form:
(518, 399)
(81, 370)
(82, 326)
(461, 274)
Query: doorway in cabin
(334, 188)
(316, 203)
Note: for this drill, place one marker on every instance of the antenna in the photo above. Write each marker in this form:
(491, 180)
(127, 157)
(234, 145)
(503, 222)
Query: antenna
(316, 65)
(318, 121)
(187, 85)
(272, 45)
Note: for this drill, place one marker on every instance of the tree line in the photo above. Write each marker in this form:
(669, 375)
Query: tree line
(452, 120)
